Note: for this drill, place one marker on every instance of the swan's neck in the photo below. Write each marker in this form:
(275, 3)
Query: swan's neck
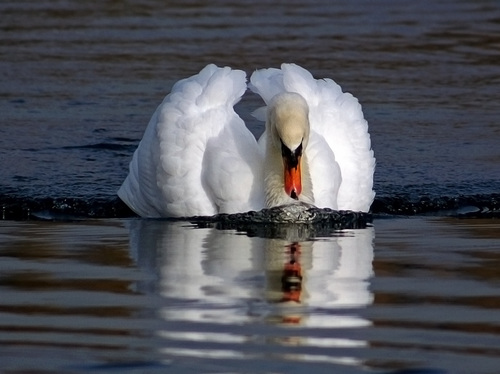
(275, 181)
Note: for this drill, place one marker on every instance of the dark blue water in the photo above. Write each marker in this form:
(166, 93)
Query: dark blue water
(81, 80)
(406, 296)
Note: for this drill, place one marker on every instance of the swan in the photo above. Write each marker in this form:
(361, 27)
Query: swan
(197, 157)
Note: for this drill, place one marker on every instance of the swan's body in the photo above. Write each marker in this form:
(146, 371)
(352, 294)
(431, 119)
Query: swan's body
(198, 158)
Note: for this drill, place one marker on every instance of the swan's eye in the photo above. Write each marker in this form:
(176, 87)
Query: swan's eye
(285, 151)
(298, 151)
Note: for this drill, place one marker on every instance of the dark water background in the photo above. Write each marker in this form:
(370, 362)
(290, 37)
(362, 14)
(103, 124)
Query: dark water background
(79, 81)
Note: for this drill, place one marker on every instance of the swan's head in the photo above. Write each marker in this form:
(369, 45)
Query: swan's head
(288, 121)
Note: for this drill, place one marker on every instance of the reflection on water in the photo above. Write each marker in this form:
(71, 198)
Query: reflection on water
(80, 80)
(155, 296)
(210, 277)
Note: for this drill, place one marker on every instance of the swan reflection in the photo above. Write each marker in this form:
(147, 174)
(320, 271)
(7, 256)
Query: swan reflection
(252, 285)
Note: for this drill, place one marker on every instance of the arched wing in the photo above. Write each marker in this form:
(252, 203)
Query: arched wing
(185, 164)
(338, 119)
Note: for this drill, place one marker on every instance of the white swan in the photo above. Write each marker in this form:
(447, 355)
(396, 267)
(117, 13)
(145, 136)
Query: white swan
(197, 157)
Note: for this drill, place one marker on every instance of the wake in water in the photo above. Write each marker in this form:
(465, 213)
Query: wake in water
(473, 206)
(276, 222)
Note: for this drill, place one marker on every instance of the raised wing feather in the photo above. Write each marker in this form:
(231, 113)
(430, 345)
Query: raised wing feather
(179, 168)
(336, 119)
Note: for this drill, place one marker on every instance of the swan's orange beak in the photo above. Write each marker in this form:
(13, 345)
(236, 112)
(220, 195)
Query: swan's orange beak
(293, 177)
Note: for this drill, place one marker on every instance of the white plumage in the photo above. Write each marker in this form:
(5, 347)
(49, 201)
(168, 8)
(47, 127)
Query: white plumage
(197, 157)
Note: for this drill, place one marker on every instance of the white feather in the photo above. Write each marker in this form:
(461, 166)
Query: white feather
(198, 158)
(338, 127)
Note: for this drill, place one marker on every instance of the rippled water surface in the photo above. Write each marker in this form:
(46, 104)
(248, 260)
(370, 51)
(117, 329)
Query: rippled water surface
(147, 296)
(79, 82)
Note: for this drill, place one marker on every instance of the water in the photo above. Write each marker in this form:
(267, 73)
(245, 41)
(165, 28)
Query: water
(79, 82)
(161, 296)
